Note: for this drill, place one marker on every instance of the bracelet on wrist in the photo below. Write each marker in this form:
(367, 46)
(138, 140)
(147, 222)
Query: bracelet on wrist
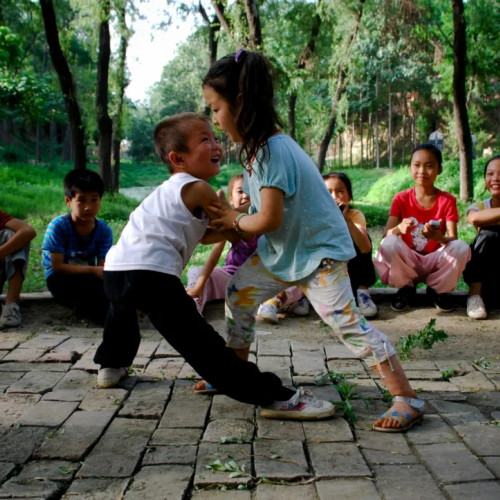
(236, 223)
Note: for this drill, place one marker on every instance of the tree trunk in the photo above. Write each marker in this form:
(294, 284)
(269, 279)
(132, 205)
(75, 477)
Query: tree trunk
(304, 58)
(67, 84)
(361, 130)
(389, 123)
(104, 122)
(254, 26)
(377, 140)
(460, 100)
(330, 128)
(213, 30)
(121, 84)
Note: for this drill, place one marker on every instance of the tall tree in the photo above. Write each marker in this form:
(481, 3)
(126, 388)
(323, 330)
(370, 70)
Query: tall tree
(339, 90)
(460, 100)
(104, 122)
(121, 83)
(303, 61)
(67, 83)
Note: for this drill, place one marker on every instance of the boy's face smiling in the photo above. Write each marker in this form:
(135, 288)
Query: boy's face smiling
(202, 160)
(85, 206)
(424, 168)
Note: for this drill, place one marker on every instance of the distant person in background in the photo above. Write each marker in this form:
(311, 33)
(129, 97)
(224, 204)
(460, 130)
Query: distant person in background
(15, 238)
(482, 273)
(361, 270)
(75, 246)
(420, 243)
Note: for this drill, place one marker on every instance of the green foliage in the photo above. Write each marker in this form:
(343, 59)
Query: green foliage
(346, 389)
(230, 466)
(424, 339)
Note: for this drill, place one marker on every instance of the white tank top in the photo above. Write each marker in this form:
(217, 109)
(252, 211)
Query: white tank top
(161, 233)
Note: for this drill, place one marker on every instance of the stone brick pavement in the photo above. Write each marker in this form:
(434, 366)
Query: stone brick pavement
(153, 438)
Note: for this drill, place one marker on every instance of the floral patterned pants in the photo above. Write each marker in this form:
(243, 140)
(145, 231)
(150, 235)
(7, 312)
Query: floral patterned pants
(329, 291)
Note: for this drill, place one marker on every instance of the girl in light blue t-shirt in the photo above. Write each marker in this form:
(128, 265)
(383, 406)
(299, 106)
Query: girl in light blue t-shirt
(305, 239)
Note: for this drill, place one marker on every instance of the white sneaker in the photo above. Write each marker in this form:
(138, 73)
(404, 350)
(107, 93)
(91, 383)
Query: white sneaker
(11, 315)
(301, 406)
(366, 305)
(301, 307)
(475, 307)
(110, 377)
(269, 313)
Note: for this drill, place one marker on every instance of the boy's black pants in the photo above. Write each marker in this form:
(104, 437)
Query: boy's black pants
(173, 313)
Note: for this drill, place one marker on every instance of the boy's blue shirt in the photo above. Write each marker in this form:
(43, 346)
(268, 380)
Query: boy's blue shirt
(61, 237)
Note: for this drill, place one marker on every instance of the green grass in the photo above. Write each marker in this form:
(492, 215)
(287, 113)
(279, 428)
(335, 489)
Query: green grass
(34, 193)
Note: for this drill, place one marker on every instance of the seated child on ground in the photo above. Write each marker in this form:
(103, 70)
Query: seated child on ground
(482, 273)
(75, 246)
(361, 270)
(143, 271)
(15, 237)
(420, 243)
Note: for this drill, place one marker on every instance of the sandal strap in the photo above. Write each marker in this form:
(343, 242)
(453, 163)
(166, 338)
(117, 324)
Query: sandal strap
(417, 404)
(403, 418)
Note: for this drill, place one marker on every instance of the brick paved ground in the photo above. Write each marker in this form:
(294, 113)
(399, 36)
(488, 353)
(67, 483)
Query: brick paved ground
(153, 438)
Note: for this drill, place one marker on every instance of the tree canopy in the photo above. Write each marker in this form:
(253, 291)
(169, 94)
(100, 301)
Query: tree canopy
(358, 82)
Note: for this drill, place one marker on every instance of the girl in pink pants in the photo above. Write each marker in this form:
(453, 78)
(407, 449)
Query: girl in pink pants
(420, 243)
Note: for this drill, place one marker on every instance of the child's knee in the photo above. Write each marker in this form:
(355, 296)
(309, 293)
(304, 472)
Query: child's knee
(390, 245)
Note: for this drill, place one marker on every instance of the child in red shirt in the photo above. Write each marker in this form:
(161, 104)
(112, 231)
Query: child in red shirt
(420, 243)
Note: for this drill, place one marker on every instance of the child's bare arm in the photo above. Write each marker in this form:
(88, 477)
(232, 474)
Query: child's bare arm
(198, 196)
(24, 233)
(268, 219)
(60, 267)
(396, 226)
(358, 233)
(488, 217)
(210, 264)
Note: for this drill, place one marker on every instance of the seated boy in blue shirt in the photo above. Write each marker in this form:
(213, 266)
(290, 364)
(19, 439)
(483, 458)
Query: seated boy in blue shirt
(75, 246)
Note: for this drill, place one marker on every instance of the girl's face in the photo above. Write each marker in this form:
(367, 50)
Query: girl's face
(492, 178)
(424, 167)
(223, 116)
(237, 196)
(338, 190)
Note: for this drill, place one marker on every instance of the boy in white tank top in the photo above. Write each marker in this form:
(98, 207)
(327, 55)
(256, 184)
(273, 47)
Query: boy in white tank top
(143, 270)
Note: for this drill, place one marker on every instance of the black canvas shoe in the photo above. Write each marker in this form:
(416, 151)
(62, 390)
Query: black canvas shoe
(442, 301)
(402, 299)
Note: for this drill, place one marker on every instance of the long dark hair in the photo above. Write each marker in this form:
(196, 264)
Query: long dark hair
(249, 75)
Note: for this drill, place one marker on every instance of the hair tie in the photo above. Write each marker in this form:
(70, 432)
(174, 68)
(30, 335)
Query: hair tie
(238, 55)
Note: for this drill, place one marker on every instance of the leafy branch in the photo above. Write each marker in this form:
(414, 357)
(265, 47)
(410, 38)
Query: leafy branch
(424, 339)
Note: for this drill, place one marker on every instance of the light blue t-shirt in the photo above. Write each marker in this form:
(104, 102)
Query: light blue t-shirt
(313, 227)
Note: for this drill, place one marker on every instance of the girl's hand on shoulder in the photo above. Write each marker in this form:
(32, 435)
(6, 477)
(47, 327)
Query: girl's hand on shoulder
(221, 216)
